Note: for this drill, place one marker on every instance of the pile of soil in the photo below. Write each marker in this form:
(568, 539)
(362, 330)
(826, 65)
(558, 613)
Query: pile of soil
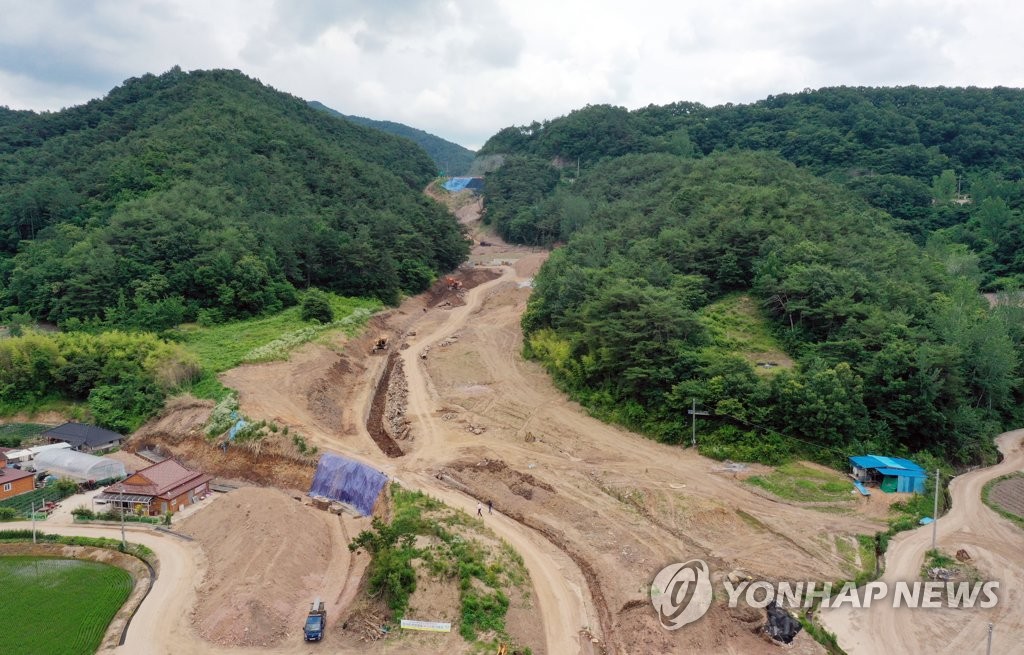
(182, 416)
(264, 551)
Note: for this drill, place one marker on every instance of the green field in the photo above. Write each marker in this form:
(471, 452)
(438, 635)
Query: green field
(802, 483)
(13, 434)
(737, 325)
(23, 503)
(58, 606)
(224, 346)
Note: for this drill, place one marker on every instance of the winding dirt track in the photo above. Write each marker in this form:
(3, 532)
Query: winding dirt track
(996, 547)
(619, 504)
(557, 583)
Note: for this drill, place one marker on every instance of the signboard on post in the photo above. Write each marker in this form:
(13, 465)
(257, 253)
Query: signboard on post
(429, 626)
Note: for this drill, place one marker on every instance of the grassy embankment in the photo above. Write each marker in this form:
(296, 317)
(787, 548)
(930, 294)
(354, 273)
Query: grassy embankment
(265, 338)
(736, 325)
(428, 540)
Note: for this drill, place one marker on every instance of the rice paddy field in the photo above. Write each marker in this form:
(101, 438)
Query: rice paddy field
(58, 606)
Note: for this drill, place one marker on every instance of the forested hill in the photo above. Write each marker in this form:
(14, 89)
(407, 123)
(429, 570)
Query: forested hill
(910, 131)
(824, 230)
(207, 193)
(639, 313)
(449, 157)
(947, 163)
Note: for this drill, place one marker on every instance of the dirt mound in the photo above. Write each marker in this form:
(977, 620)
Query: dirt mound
(182, 416)
(521, 484)
(439, 295)
(265, 552)
(274, 463)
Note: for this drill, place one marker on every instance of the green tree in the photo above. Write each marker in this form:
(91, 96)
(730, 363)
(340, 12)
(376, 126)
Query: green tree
(316, 306)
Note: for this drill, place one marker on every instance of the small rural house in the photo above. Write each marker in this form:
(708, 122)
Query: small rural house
(13, 481)
(890, 474)
(160, 488)
(84, 438)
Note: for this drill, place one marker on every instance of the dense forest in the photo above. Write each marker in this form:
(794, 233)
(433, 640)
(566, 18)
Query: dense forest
(860, 221)
(209, 196)
(947, 162)
(449, 158)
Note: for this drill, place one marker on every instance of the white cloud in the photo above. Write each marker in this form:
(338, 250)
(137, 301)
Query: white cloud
(464, 69)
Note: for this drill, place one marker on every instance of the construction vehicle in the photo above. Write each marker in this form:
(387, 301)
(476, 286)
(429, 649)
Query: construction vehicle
(380, 344)
(316, 621)
(453, 284)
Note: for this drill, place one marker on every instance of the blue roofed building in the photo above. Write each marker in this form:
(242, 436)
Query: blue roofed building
(890, 474)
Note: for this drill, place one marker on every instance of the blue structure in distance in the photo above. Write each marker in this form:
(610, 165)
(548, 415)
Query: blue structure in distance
(891, 474)
(456, 184)
(346, 480)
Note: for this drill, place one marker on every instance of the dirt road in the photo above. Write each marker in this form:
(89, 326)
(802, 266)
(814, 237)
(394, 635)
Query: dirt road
(621, 505)
(594, 510)
(996, 547)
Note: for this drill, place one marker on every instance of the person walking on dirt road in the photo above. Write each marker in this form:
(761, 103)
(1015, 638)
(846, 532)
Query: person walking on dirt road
(490, 507)
(480, 510)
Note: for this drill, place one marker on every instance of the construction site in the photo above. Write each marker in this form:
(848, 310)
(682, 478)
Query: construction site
(436, 397)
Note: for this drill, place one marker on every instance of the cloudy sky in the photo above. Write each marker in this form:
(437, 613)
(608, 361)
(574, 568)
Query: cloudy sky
(464, 70)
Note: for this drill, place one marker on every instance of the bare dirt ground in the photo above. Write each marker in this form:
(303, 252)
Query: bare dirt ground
(267, 555)
(995, 546)
(131, 461)
(594, 510)
(1009, 496)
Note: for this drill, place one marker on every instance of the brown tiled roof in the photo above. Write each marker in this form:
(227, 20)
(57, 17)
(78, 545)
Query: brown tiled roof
(10, 475)
(168, 478)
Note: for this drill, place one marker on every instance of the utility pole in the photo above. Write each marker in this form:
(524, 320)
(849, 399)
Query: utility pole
(124, 544)
(33, 521)
(988, 651)
(693, 412)
(935, 512)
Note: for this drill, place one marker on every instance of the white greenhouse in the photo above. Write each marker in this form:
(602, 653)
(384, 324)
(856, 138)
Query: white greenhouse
(80, 467)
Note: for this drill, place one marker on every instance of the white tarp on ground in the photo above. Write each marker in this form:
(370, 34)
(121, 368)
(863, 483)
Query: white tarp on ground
(80, 467)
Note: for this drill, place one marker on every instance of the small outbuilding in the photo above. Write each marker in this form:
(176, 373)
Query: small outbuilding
(890, 474)
(86, 438)
(158, 489)
(24, 456)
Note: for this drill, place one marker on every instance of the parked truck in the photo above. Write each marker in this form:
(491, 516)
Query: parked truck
(316, 621)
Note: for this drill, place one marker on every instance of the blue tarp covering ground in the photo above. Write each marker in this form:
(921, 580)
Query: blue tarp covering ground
(456, 184)
(340, 478)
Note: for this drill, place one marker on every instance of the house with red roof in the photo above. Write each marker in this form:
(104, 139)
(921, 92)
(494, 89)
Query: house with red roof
(157, 489)
(13, 481)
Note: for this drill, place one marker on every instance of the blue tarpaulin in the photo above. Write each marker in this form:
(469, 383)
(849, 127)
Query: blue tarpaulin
(346, 480)
(239, 424)
(456, 184)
